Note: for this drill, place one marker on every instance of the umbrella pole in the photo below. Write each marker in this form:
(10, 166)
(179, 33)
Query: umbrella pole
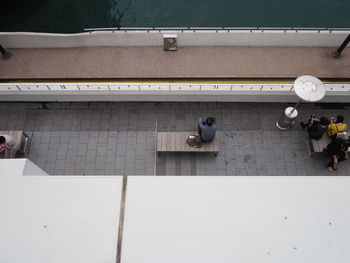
(296, 106)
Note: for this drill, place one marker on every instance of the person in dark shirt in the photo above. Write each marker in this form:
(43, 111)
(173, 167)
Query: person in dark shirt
(316, 127)
(207, 129)
(337, 151)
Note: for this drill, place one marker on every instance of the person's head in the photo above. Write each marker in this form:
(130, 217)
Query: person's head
(2, 140)
(209, 121)
(324, 121)
(340, 118)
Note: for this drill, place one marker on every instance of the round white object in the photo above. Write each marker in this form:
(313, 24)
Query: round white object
(290, 113)
(309, 88)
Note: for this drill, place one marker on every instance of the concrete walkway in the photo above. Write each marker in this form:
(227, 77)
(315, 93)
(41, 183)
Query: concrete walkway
(187, 62)
(119, 138)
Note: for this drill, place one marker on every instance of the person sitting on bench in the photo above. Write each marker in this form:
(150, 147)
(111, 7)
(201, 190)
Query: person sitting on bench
(337, 151)
(336, 126)
(207, 129)
(9, 145)
(316, 127)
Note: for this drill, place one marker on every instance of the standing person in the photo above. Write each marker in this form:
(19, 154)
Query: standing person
(336, 126)
(7, 142)
(207, 129)
(337, 151)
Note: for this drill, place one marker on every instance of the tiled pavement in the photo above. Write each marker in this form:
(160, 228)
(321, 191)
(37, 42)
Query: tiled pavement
(187, 62)
(119, 138)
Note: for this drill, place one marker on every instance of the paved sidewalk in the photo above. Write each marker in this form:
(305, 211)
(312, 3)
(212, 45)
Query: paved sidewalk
(186, 62)
(119, 138)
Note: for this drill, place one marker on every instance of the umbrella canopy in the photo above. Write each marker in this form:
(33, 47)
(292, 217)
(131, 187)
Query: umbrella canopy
(309, 88)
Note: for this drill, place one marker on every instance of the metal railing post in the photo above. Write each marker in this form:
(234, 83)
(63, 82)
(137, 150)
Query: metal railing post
(337, 53)
(5, 54)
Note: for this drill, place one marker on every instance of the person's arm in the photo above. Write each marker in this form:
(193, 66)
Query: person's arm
(11, 144)
(200, 124)
(3, 147)
(313, 120)
(335, 162)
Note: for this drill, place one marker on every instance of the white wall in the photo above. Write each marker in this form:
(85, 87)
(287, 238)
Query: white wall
(165, 91)
(315, 38)
(31, 168)
(237, 219)
(12, 168)
(174, 219)
(59, 219)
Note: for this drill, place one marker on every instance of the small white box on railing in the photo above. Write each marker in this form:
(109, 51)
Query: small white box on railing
(170, 42)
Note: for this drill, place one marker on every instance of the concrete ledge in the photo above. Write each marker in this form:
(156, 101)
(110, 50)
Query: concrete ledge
(228, 92)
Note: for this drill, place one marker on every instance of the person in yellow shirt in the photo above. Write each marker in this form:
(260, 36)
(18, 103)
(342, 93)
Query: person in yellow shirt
(336, 126)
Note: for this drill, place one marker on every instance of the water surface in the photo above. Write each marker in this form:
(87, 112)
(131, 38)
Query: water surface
(72, 16)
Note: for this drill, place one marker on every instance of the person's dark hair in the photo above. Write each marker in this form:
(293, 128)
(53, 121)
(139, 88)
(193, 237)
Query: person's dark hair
(2, 140)
(340, 118)
(324, 121)
(209, 121)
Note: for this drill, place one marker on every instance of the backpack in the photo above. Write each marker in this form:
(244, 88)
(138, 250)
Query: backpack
(194, 140)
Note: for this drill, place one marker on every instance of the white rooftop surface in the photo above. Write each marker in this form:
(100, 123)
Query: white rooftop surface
(237, 219)
(59, 219)
(12, 167)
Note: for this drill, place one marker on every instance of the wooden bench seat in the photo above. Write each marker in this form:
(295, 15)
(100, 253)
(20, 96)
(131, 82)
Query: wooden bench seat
(20, 137)
(176, 142)
(317, 146)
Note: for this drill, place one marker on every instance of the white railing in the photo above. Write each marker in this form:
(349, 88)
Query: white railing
(217, 29)
(312, 37)
(161, 87)
(336, 92)
(143, 87)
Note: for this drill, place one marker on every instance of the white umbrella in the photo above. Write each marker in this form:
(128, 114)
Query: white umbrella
(307, 88)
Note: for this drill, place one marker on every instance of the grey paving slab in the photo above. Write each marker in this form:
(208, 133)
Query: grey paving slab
(129, 168)
(120, 162)
(89, 169)
(91, 156)
(100, 162)
(92, 143)
(109, 169)
(119, 138)
(101, 149)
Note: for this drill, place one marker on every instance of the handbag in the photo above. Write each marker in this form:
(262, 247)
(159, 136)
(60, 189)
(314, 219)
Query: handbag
(194, 140)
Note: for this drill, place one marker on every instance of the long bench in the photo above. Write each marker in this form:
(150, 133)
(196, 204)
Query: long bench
(176, 142)
(20, 137)
(317, 146)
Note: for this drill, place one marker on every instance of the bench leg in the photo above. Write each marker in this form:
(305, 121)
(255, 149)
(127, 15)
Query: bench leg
(24, 144)
(310, 148)
(216, 154)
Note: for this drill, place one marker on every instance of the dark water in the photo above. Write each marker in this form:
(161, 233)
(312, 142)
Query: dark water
(71, 16)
